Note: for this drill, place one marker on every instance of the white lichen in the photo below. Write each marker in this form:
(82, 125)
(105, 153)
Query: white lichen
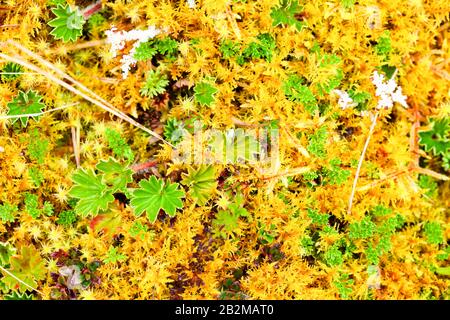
(191, 4)
(388, 92)
(117, 40)
(344, 99)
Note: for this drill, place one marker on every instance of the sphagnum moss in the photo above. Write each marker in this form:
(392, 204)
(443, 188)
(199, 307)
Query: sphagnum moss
(351, 97)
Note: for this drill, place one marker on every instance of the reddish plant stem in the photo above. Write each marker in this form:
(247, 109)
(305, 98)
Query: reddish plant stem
(143, 166)
(91, 9)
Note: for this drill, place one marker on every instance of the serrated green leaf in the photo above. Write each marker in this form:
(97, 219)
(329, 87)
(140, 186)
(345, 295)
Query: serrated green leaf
(204, 93)
(437, 139)
(155, 84)
(145, 51)
(68, 24)
(25, 103)
(92, 192)
(285, 14)
(155, 195)
(201, 182)
(11, 71)
(174, 130)
(28, 266)
(116, 176)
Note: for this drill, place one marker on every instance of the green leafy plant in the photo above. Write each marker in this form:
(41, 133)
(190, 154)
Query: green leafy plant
(336, 175)
(36, 176)
(31, 205)
(154, 195)
(267, 235)
(145, 51)
(138, 230)
(285, 14)
(433, 232)
(174, 130)
(317, 142)
(437, 139)
(201, 182)
(333, 256)
(7, 213)
(67, 218)
(226, 221)
(320, 219)
(363, 229)
(23, 104)
(118, 144)
(11, 71)
(348, 3)
(295, 91)
(68, 24)
(37, 147)
(155, 84)
(204, 93)
(6, 251)
(28, 266)
(361, 98)
(167, 47)
(344, 285)
(383, 47)
(229, 49)
(263, 48)
(115, 175)
(96, 20)
(429, 184)
(93, 194)
(380, 211)
(114, 256)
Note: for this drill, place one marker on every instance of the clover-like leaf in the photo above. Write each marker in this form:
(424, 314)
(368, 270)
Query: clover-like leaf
(25, 103)
(201, 183)
(116, 176)
(94, 195)
(68, 24)
(155, 195)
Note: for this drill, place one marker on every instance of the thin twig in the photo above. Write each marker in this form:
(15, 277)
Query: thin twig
(21, 281)
(431, 173)
(18, 73)
(288, 173)
(361, 159)
(69, 87)
(78, 46)
(9, 26)
(76, 143)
